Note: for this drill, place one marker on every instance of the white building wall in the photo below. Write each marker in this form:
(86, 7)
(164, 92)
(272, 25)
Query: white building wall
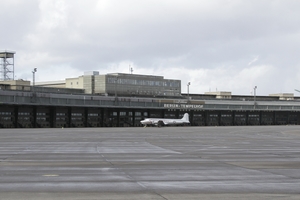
(100, 84)
(76, 83)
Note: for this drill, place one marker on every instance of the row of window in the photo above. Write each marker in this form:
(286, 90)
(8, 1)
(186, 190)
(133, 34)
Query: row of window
(5, 118)
(253, 115)
(114, 80)
(76, 114)
(226, 115)
(23, 113)
(76, 83)
(24, 119)
(40, 119)
(5, 113)
(93, 114)
(40, 114)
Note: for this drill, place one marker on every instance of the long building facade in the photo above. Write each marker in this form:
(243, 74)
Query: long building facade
(32, 109)
(125, 84)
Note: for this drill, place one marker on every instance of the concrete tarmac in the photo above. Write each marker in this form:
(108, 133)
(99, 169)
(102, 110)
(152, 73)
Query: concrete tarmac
(242, 162)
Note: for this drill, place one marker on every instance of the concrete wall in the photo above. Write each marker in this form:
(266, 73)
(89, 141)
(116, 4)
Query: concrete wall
(17, 84)
(100, 84)
(88, 84)
(76, 83)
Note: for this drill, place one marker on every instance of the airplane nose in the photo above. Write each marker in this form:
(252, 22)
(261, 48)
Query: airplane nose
(145, 121)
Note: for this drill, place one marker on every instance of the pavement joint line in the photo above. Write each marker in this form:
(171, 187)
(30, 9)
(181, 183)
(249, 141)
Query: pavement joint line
(104, 157)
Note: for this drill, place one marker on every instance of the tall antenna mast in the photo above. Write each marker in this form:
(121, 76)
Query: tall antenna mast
(130, 69)
(7, 68)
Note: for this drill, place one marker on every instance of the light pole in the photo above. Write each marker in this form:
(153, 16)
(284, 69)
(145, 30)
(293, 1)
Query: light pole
(255, 96)
(188, 91)
(33, 78)
(116, 81)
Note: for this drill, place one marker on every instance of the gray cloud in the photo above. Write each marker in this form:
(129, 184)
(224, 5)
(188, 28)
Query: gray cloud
(174, 38)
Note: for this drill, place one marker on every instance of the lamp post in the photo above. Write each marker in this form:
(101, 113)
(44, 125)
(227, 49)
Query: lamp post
(116, 81)
(188, 91)
(33, 78)
(255, 96)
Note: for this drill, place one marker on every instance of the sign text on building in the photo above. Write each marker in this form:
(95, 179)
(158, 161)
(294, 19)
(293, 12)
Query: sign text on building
(184, 106)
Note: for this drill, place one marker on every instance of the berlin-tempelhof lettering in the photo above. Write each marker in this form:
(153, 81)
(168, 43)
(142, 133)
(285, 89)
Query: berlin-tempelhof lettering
(186, 106)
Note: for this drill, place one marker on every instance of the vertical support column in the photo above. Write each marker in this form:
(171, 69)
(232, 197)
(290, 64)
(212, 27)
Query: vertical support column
(130, 117)
(16, 116)
(101, 114)
(52, 116)
(69, 117)
(133, 117)
(191, 116)
(177, 114)
(298, 118)
(260, 117)
(205, 117)
(85, 117)
(118, 117)
(274, 118)
(33, 122)
(220, 118)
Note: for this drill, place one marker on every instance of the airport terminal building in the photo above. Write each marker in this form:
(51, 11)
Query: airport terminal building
(123, 100)
(120, 84)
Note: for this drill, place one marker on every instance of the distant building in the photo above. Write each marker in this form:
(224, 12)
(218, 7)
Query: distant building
(283, 96)
(120, 84)
(15, 85)
(53, 84)
(220, 94)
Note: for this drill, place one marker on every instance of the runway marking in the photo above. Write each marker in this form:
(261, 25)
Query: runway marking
(50, 175)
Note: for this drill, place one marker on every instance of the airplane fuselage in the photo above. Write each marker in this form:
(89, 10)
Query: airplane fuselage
(164, 121)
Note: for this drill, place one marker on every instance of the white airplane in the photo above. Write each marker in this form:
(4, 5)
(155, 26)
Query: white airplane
(162, 121)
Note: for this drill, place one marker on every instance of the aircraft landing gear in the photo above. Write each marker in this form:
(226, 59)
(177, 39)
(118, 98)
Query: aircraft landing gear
(160, 124)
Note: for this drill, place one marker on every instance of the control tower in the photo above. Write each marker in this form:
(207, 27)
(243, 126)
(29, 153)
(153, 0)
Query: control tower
(7, 67)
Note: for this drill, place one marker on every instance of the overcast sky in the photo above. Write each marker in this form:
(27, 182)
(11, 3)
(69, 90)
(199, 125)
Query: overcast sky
(223, 45)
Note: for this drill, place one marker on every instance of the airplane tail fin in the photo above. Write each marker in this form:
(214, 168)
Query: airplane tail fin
(186, 117)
